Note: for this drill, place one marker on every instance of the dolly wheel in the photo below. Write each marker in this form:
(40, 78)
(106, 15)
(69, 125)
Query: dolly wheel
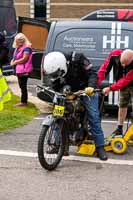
(118, 145)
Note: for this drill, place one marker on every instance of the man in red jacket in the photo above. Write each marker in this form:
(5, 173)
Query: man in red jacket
(122, 63)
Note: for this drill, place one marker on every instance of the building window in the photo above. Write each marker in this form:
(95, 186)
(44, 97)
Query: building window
(40, 9)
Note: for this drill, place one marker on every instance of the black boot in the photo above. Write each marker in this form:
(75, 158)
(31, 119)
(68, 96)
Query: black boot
(101, 153)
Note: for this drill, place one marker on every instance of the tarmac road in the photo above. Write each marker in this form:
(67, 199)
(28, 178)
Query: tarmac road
(22, 177)
(76, 178)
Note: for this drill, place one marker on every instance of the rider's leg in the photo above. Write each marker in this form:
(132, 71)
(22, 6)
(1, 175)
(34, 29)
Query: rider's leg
(91, 105)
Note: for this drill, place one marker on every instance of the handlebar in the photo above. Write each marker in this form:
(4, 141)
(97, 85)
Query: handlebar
(88, 91)
(44, 88)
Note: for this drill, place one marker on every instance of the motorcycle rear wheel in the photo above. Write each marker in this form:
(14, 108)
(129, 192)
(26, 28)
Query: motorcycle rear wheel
(46, 142)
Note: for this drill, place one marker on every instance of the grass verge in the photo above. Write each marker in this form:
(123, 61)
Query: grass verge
(13, 117)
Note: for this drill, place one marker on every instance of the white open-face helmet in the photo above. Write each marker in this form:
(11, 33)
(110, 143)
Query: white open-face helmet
(55, 64)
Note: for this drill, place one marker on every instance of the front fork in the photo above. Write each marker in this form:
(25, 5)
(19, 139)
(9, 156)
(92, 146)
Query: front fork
(50, 119)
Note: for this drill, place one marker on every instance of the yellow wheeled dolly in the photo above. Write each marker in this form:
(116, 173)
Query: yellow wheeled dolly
(117, 144)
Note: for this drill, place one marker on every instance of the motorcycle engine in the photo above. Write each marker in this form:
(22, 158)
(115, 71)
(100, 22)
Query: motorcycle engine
(77, 137)
(74, 106)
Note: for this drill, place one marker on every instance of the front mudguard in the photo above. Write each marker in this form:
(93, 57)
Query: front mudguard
(49, 119)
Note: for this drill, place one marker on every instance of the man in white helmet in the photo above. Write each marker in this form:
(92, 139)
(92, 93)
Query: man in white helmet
(75, 70)
(122, 63)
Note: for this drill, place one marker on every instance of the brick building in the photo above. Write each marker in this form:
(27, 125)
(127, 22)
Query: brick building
(65, 9)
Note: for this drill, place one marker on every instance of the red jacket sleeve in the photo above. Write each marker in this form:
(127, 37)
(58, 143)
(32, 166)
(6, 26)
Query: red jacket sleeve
(103, 69)
(123, 82)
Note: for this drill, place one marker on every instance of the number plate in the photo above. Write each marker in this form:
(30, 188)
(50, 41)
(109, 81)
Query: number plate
(58, 110)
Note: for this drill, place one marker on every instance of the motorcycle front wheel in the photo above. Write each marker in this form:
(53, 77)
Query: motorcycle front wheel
(51, 145)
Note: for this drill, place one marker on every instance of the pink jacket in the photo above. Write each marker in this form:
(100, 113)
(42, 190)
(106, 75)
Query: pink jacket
(25, 67)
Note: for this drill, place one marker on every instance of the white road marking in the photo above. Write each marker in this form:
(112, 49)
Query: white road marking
(71, 157)
(103, 121)
(96, 160)
(112, 121)
(18, 153)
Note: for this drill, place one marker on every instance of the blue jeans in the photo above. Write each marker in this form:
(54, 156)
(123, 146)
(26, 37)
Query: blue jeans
(91, 106)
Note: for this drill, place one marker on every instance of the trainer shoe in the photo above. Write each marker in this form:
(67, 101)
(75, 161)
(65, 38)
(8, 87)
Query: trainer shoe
(117, 133)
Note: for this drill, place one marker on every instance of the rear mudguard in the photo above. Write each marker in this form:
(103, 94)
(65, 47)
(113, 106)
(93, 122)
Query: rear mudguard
(49, 119)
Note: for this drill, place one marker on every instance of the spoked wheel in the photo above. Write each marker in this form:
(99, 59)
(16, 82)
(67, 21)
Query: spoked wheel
(51, 145)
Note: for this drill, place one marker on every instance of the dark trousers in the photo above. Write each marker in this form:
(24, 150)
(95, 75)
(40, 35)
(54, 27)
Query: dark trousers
(22, 81)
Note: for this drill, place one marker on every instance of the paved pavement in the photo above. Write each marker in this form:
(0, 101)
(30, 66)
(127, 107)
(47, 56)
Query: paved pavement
(13, 85)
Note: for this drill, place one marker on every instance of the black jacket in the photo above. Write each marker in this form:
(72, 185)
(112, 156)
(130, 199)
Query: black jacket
(80, 73)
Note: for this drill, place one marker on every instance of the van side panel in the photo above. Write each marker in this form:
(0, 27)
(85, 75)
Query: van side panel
(95, 39)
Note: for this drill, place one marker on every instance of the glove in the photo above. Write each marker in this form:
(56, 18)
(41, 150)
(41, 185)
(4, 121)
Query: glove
(89, 91)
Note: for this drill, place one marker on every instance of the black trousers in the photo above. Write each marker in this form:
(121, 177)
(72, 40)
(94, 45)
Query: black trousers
(22, 81)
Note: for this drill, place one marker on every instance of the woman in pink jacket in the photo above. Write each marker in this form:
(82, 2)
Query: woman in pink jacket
(22, 60)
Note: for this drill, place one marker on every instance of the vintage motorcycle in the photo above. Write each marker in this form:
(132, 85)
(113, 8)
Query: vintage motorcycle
(62, 127)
